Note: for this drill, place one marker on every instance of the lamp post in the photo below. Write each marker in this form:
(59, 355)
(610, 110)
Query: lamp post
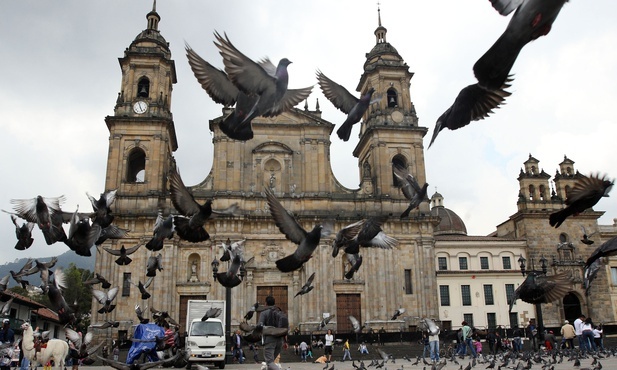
(543, 271)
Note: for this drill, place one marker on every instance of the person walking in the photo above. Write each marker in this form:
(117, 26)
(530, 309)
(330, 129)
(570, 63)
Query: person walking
(532, 334)
(426, 344)
(578, 323)
(236, 352)
(598, 334)
(328, 345)
(303, 347)
(568, 333)
(550, 342)
(517, 345)
(587, 334)
(466, 330)
(272, 344)
(346, 353)
(433, 342)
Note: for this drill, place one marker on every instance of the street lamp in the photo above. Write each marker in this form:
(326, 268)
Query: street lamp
(215, 268)
(543, 271)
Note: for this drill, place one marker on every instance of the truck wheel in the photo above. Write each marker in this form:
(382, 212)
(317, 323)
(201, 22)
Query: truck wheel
(221, 364)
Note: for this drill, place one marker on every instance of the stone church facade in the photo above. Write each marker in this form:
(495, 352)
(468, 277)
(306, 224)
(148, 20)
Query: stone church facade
(290, 154)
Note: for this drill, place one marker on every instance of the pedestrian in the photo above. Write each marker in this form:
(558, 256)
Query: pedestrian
(346, 354)
(7, 336)
(253, 347)
(310, 352)
(578, 323)
(466, 330)
(461, 350)
(550, 342)
(236, 350)
(381, 335)
(329, 341)
(433, 342)
(116, 352)
(272, 344)
(477, 345)
(587, 334)
(303, 348)
(598, 334)
(568, 333)
(517, 343)
(532, 334)
(491, 338)
(498, 343)
(426, 344)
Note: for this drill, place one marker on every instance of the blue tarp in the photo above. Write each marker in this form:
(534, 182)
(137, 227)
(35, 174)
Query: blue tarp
(146, 344)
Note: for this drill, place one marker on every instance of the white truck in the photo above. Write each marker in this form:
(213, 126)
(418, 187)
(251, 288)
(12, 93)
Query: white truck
(205, 340)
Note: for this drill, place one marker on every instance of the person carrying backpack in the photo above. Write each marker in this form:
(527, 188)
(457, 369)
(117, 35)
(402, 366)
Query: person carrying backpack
(273, 316)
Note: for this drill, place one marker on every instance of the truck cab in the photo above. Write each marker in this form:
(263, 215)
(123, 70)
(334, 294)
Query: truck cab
(205, 343)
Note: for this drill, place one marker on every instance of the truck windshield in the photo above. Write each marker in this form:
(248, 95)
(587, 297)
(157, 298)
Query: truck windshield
(204, 328)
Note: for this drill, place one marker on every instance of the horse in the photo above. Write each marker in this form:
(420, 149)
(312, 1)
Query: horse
(56, 349)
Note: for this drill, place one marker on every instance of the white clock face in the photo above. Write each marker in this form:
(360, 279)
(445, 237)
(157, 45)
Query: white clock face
(140, 107)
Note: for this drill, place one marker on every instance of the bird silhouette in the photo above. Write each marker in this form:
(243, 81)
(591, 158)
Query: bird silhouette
(106, 299)
(584, 194)
(23, 234)
(98, 279)
(251, 311)
(163, 229)
(342, 99)
(287, 224)
(230, 278)
(355, 324)
(397, 313)
(123, 253)
(102, 211)
(410, 188)
(540, 288)
(355, 261)
(307, 287)
(190, 227)
(154, 264)
(586, 237)
(213, 312)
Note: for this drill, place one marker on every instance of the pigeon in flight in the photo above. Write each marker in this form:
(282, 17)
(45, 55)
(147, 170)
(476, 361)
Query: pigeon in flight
(230, 250)
(191, 227)
(123, 253)
(370, 235)
(586, 236)
(398, 313)
(590, 273)
(539, 288)
(163, 229)
(342, 99)
(102, 212)
(325, 321)
(140, 315)
(307, 287)
(230, 278)
(106, 299)
(355, 261)
(45, 212)
(56, 298)
(584, 194)
(287, 224)
(236, 125)
(263, 79)
(608, 248)
(106, 324)
(23, 233)
(98, 279)
(143, 287)
(153, 264)
(213, 312)
(410, 188)
(355, 323)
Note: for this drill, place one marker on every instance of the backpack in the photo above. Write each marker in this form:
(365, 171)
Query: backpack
(277, 318)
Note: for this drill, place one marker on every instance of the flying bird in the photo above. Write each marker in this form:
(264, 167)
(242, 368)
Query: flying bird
(608, 248)
(410, 187)
(251, 311)
(230, 250)
(98, 279)
(590, 273)
(586, 236)
(213, 312)
(45, 212)
(6, 307)
(102, 211)
(56, 298)
(265, 80)
(230, 278)
(23, 234)
(153, 264)
(106, 299)
(397, 313)
(287, 224)
(123, 253)
(307, 287)
(355, 323)
(140, 315)
(342, 99)
(190, 227)
(370, 235)
(430, 326)
(144, 286)
(163, 229)
(325, 321)
(4, 282)
(219, 87)
(355, 261)
(584, 194)
(539, 288)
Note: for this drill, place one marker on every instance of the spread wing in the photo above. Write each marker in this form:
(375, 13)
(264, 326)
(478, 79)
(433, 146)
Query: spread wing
(291, 98)
(285, 222)
(409, 184)
(181, 198)
(339, 96)
(213, 80)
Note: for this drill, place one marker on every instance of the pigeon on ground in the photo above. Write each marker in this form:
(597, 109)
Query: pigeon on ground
(190, 227)
(397, 313)
(410, 187)
(539, 288)
(106, 299)
(265, 80)
(307, 287)
(342, 99)
(123, 253)
(230, 278)
(237, 125)
(584, 194)
(102, 211)
(154, 264)
(163, 229)
(212, 313)
(287, 224)
(23, 233)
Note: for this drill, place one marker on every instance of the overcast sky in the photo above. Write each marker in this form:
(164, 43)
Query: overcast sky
(60, 77)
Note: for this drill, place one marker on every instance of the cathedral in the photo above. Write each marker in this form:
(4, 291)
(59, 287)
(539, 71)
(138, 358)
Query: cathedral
(290, 155)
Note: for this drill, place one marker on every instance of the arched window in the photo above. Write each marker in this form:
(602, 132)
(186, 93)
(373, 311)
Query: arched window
(194, 267)
(392, 98)
(400, 161)
(143, 87)
(567, 189)
(136, 166)
(532, 192)
(533, 170)
(542, 192)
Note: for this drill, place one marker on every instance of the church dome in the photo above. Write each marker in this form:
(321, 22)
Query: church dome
(450, 223)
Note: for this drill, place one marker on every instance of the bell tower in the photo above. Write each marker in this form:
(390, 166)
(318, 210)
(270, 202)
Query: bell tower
(389, 132)
(142, 134)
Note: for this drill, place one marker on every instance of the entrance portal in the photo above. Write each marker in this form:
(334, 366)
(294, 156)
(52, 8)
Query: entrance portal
(571, 307)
